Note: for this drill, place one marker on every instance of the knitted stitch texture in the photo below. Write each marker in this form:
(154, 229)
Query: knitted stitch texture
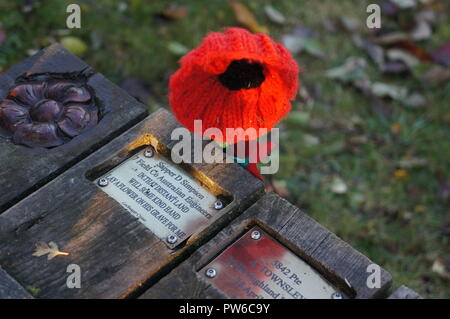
(234, 79)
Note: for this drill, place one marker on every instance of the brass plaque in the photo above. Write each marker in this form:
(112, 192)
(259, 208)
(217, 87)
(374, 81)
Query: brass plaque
(167, 200)
(258, 267)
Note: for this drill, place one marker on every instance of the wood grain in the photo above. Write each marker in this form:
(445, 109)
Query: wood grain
(10, 289)
(23, 170)
(117, 254)
(337, 261)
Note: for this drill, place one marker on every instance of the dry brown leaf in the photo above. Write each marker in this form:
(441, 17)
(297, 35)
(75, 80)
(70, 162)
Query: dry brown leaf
(246, 18)
(175, 12)
(280, 188)
(395, 128)
(51, 250)
(440, 267)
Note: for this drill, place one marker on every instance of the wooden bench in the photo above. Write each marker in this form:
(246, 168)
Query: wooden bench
(136, 224)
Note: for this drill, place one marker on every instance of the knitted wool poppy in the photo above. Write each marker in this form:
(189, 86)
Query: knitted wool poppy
(234, 79)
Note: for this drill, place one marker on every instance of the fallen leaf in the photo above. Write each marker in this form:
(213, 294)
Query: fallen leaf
(96, 40)
(422, 31)
(389, 8)
(404, 4)
(310, 140)
(177, 48)
(135, 4)
(414, 101)
(122, 6)
(74, 45)
(400, 55)
(280, 187)
(330, 25)
(444, 190)
(435, 76)
(27, 6)
(440, 267)
(292, 43)
(415, 50)
(303, 31)
(395, 128)
(400, 94)
(51, 250)
(358, 140)
(297, 44)
(352, 68)
(175, 12)
(376, 52)
(442, 55)
(298, 118)
(338, 186)
(33, 290)
(412, 162)
(382, 90)
(420, 208)
(313, 48)
(391, 38)
(2, 34)
(395, 67)
(350, 24)
(246, 18)
(274, 15)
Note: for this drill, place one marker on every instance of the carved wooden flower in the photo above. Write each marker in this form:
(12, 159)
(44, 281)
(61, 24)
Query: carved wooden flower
(47, 113)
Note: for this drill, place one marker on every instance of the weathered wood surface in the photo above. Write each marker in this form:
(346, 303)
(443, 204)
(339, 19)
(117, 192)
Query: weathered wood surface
(22, 169)
(11, 289)
(337, 261)
(117, 254)
(404, 292)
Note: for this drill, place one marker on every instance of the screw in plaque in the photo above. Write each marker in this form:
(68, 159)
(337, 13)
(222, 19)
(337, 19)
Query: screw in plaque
(149, 152)
(255, 235)
(336, 295)
(172, 239)
(210, 273)
(102, 182)
(218, 205)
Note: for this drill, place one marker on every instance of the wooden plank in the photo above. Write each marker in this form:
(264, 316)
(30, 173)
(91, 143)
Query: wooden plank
(404, 292)
(335, 260)
(24, 169)
(116, 253)
(10, 289)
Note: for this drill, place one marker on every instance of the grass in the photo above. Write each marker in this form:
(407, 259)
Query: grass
(394, 217)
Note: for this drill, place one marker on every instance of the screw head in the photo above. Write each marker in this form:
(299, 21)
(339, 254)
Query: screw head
(255, 235)
(336, 295)
(218, 204)
(172, 239)
(102, 182)
(210, 273)
(148, 152)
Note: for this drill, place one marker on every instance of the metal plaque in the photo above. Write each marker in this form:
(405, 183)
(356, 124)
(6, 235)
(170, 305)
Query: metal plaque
(167, 200)
(258, 267)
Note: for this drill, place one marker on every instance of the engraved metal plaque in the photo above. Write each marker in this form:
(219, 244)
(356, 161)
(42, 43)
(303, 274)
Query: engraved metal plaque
(167, 200)
(258, 267)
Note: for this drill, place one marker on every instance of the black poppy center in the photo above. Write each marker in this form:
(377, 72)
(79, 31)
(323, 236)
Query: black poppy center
(242, 74)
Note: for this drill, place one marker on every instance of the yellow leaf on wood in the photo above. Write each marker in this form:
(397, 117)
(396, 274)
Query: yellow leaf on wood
(51, 250)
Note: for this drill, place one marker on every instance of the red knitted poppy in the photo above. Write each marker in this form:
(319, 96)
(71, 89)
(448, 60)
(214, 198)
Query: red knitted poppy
(234, 79)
